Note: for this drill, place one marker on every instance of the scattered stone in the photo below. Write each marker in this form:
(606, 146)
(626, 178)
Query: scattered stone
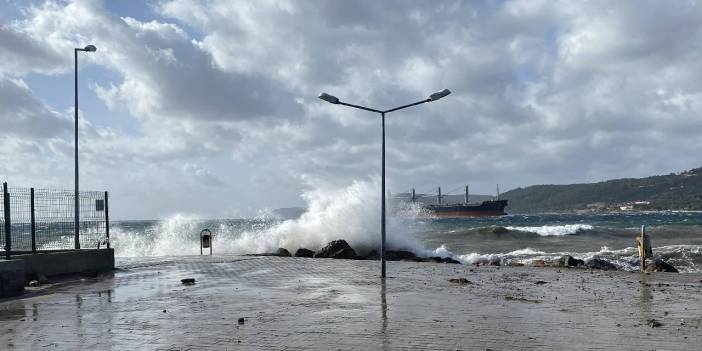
(598, 263)
(540, 282)
(34, 284)
(302, 252)
(461, 281)
(569, 261)
(515, 264)
(282, 252)
(520, 299)
(241, 320)
(335, 249)
(398, 255)
(188, 281)
(654, 323)
(164, 311)
(661, 266)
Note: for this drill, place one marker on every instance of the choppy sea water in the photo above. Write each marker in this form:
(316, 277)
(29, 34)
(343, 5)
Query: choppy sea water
(676, 236)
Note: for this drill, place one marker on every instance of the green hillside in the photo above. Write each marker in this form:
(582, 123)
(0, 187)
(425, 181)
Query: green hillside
(667, 192)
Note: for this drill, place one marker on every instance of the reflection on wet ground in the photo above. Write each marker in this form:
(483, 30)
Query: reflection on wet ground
(297, 303)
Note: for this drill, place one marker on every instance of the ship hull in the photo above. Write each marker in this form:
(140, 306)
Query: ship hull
(485, 209)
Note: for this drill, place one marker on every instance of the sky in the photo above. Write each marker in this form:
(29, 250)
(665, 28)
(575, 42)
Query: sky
(211, 108)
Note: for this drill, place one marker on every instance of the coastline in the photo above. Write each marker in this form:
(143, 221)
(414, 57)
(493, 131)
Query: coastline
(342, 304)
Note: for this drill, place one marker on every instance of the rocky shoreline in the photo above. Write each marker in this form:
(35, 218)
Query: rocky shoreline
(340, 249)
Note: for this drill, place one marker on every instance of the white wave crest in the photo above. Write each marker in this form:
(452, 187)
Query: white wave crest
(554, 230)
(351, 213)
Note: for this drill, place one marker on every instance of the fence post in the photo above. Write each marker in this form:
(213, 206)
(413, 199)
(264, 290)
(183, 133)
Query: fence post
(33, 222)
(8, 225)
(107, 221)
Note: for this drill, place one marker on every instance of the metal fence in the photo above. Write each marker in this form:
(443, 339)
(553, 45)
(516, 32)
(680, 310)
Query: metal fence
(33, 220)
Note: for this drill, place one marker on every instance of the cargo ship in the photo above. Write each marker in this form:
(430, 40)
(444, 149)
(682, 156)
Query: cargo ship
(495, 207)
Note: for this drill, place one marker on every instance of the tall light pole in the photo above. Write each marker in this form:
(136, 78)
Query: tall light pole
(76, 224)
(334, 100)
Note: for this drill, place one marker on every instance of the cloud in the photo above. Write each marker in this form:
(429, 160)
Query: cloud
(543, 92)
(23, 115)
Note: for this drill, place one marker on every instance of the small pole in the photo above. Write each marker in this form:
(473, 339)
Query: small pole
(107, 221)
(644, 245)
(466, 196)
(8, 226)
(33, 223)
(438, 197)
(414, 196)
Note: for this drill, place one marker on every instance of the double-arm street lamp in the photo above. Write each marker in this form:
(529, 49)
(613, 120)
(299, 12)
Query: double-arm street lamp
(89, 48)
(334, 100)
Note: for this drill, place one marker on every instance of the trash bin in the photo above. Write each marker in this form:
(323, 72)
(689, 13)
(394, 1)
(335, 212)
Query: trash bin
(206, 240)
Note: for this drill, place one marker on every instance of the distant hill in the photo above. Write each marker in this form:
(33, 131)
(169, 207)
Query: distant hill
(681, 191)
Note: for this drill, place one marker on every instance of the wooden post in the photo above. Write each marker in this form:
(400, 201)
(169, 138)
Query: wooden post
(8, 225)
(414, 196)
(107, 221)
(438, 197)
(32, 220)
(465, 197)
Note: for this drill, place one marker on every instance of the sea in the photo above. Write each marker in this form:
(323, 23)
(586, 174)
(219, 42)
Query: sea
(353, 214)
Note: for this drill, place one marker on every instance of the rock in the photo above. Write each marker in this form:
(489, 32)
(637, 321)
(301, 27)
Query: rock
(373, 255)
(42, 279)
(598, 263)
(188, 281)
(434, 259)
(397, 255)
(569, 261)
(34, 284)
(347, 253)
(302, 252)
(462, 281)
(283, 253)
(515, 264)
(450, 260)
(332, 248)
(241, 320)
(661, 266)
(494, 261)
(538, 263)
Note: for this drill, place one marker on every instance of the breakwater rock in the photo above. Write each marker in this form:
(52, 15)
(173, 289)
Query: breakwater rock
(340, 249)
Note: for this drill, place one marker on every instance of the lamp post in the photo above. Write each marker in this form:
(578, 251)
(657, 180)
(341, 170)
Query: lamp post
(76, 224)
(334, 100)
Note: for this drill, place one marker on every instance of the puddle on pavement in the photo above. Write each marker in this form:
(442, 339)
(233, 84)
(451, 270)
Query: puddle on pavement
(12, 314)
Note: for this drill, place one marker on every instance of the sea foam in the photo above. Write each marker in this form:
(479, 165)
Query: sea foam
(554, 230)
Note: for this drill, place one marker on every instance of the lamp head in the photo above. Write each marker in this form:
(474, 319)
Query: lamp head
(329, 98)
(438, 95)
(90, 48)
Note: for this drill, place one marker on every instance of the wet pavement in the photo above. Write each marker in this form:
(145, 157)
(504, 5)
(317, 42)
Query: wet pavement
(323, 304)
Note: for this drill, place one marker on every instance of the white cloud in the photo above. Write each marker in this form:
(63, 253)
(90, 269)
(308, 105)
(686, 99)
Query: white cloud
(224, 92)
